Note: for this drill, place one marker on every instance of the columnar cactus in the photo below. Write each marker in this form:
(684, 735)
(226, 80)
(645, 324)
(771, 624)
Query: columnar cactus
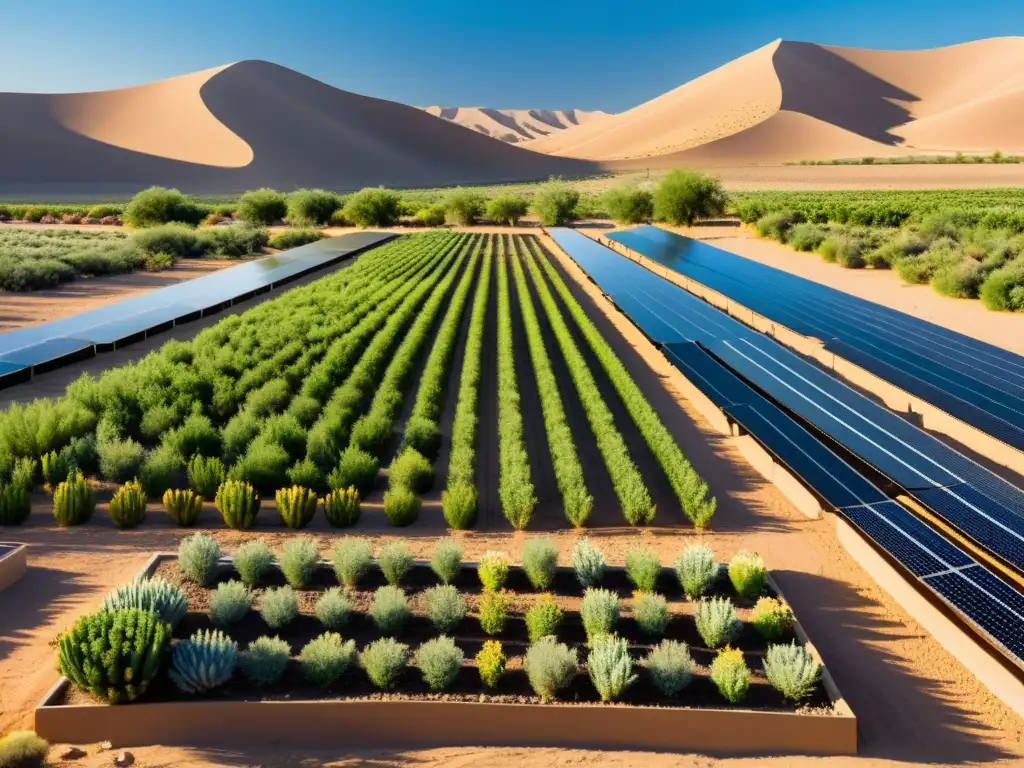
(183, 506)
(128, 505)
(73, 502)
(296, 505)
(341, 508)
(204, 661)
(238, 504)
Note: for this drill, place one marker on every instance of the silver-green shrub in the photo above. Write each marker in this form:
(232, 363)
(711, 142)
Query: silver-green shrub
(650, 611)
(279, 607)
(446, 560)
(204, 661)
(599, 611)
(384, 661)
(253, 562)
(670, 666)
(550, 667)
(643, 569)
(333, 609)
(352, 559)
(439, 661)
(155, 594)
(445, 607)
(298, 561)
(229, 604)
(716, 621)
(265, 660)
(588, 562)
(610, 666)
(389, 610)
(325, 658)
(198, 558)
(540, 560)
(748, 574)
(792, 670)
(696, 570)
(394, 561)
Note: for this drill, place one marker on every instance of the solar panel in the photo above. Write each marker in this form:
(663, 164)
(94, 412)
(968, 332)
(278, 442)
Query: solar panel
(989, 603)
(916, 546)
(988, 523)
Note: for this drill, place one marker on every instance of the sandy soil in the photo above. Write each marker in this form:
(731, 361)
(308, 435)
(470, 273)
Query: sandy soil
(514, 125)
(914, 702)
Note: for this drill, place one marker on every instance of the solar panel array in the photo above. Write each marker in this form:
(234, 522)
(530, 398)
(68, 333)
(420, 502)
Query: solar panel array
(41, 347)
(976, 382)
(705, 343)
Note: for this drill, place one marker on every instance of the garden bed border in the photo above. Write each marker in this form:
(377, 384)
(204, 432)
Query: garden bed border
(363, 723)
(13, 562)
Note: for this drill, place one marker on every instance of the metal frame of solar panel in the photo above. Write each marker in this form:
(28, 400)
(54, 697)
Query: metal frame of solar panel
(29, 351)
(981, 599)
(978, 383)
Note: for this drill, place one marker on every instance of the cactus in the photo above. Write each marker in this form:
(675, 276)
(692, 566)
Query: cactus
(155, 594)
(183, 506)
(238, 504)
(73, 502)
(15, 506)
(296, 505)
(341, 508)
(128, 505)
(114, 656)
(56, 465)
(204, 661)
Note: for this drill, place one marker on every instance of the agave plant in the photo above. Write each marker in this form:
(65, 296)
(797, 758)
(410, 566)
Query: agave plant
(155, 594)
(204, 661)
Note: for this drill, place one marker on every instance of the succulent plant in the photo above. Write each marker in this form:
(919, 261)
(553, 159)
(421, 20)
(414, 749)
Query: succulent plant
(183, 506)
(73, 502)
(127, 507)
(238, 503)
(296, 505)
(204, 661)
(152, 594)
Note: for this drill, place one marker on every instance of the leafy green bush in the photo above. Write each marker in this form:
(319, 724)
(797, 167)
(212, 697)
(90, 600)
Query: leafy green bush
(307, 474)
(23, 749)
(776, 225)
(264, 466)
(325, 658)
(394, 561)
(298, 561)
(384, 661)
(15, 505)
(959, 281)
(806, 236)
(157, 205)
(342, 508)
(683, 197)
(374, 207)
(540, 561)
(730, 675)
(254, 562)
(153, 594)
(431, 216)
(493, 612)
(670, 666)
(627, 205)
(792, 670)
(204, 661)
(114, 656)
(411, 470)
(643, 569)
(160, 469)
(610, 667)
(233, 241)
(462, 206)
(459, 505)
(296, 505)
(439, 661)
(401, 506)
(588, 562)
(127, 507)
(490, 663)
(238, 504)
(205, 475)
(389, 610)
(310, 207)
(352, 560)
(199, 559)
(279, 607)
(492, 570)
(543, 618)
(550, 667)
(446, 560)
(554, 203)
(696, 570)
(120, 460)
(772, 618)
(176, 240)
(651, 614)
(372, 433)
(843, 250)
(507, 209)
(748, 574)
(1003, 289)
(716, 621)
(265, 660)
(424, 436)
(333, 609)
(293, 238)
(262, 206)
(445, 607)
(230, 603)
(599, 612)
(358, 469)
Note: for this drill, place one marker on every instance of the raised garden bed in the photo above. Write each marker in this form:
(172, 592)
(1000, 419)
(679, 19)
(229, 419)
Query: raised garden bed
(13, 563)
(352, 712)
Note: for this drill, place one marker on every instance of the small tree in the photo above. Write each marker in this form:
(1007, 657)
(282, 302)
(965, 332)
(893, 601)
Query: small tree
(555, 203)
(263, 206)
(310, 207)
(157, 205)
(462, 206)
(629, 206)
(685, 196)
(374, 207)
(507, 209)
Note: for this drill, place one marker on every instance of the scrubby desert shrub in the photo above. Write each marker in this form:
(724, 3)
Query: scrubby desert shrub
(431, 215)
(1003, 289)
(264, 466)
(230, 602)
(394, 561)
(772, 619)
(324, 659)
(372, 433)
(103, 210)
(730, 675)
(462, 206)
(401, 506)
(153, 594)
(351, 559)
(411, 470)
(459, 504)
(114, 656)
(307, 474)
(423, 435)
(374, 207)
(670, 666)
(492, 570)
(265, 660)
(959, 281)
(806, 236)
(296, 505)
(298, 561)
(357, 469)
(120, 459)
(232, 242)
(389, 610)
(127, 506)
(73, 502)
(311, 207)
(555, 203)
(543, 618)
(238, 504)
(15, 505)
(384, 661)
(643, 569)
(293, 238)
(588, 562)
(205, 475)
(176, 240)
(599, 612)
(262, 206)
(492, 610)
(610, 667)
(748, 574)
(716, 621)
(204, 661)
(279, 607)
(23, 749)
(651, 614)
(507, 209)
(696, 570)
(490, 663)
(792, 670)
(445, 607)
(540, 561)
(157, 205)
(199, 558)
(550, 666)
(333, 609)
(160, 469)
(253, 562)
(342, 507)
(627, 205)
(446, 560)
(683, 197)
(439, 661)
(776, 225)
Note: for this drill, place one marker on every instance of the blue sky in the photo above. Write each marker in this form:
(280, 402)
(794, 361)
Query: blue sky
(531, 53)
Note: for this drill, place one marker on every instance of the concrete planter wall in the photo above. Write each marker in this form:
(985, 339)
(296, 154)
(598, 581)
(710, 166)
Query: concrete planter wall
(13, 563)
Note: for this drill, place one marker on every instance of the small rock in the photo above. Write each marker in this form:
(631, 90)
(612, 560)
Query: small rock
(123, 759)
(71, 752)
(106, 746)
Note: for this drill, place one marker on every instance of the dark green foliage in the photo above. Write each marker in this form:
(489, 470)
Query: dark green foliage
(342, 508)
(311, 207)
(424, 436)
(371, 434)
(15, 505)
(401, 506)
(629, 206)
(73, 502)
(373, 207)
(157, 205)
(507, 209)
(293, 238)
(238, 504)
(114, 656)
(262, 206)
(196, 436)
(356, 468)
(554, 203)
(683, 197)
(120, 459)
(307, 474)
(205, 475)
(411, 470)
(233, 241)
(543, 618)
(128, 505)
(160, 470)
(264, 466)
(296, 505)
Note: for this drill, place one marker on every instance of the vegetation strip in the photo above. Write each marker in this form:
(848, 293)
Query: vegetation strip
(576, 500)
(629, 485)
(691, 490)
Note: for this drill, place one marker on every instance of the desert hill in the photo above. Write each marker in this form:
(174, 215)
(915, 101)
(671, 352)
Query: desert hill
(792, 101)
(515, 125)
(238, 127)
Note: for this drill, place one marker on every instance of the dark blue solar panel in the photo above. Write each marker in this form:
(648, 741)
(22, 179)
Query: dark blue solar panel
(45, 351)
(647, 320)
(988, 602)
(988, 523)
(713, 379)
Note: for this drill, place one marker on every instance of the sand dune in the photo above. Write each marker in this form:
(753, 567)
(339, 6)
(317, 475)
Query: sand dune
(791, 101)
(243, 126)
(515, 125)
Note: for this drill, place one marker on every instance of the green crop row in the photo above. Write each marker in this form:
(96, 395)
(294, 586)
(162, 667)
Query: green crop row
(576, 500)
(688, 486)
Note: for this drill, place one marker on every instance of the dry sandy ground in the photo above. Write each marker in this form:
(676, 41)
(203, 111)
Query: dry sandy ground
(515, 125)
(914, 702)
